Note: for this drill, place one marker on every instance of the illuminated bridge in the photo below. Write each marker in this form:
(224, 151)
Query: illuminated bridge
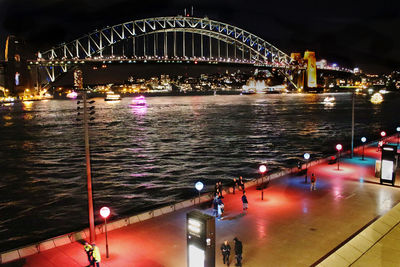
(176, 39)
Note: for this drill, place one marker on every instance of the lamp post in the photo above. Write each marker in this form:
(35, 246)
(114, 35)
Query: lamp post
(105, 212)
(262, 170)
(352, 125)
(338, 148)
(363, 140)
(199, 186)
(380, 144)
(306, 157)
(398, 135)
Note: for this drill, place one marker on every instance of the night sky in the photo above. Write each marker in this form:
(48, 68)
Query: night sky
(350, 33)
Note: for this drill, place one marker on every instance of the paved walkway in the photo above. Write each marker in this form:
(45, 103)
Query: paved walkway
(292, 226)
(386, 252)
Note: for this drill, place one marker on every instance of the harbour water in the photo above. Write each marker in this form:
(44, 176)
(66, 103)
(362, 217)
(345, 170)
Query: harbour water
(144, 157)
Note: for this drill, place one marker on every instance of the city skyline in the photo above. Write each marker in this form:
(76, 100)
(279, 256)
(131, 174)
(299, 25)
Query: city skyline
(349, 34)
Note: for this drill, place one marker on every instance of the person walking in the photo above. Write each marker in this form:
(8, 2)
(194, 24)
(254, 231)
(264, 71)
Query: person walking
(220, 208)
(313, 182)
(226, 251)
(217, 189)
(96, 255)
(89, 250)
(238, 251)
(220, 189)
(235, 184)
(245, 202)
(241, 183)
(215, 205)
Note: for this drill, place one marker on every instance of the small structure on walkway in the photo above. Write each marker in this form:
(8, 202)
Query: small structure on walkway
(200, 234)
(388, 164)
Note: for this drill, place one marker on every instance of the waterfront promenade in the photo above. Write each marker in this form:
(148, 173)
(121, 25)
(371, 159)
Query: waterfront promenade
(292, 226)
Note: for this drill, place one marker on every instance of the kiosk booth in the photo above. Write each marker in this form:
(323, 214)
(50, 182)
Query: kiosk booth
(200, 229)
(388, 164)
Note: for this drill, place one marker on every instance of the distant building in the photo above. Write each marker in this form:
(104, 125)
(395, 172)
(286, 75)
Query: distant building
(322, 64)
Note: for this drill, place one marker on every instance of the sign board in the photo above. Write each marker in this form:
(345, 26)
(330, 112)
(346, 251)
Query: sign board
(388, 164)
(200, 235)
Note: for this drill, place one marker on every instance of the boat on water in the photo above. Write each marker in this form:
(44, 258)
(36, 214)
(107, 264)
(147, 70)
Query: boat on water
(111, 96)
(248, 92)
(139, 101)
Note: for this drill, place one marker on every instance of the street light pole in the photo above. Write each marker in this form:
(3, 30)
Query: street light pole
(105, 212)
(199, 186)
(339, 148)
(398, 135)
(352, 125)
(363, 139)
(306, 157)
(88, 170)
(262, 170)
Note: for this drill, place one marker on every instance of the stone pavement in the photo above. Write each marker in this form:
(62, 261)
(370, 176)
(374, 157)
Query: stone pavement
(292, 226)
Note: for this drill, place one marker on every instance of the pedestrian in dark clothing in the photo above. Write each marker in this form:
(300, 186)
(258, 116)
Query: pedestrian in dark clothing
(226, 251)
(89, 250)
(220, 208)
(238, 251)
(241, 183)
(235, 184)
(220, 189)
(217, 188)
(245, 202)
(215, 206)
(313, 182)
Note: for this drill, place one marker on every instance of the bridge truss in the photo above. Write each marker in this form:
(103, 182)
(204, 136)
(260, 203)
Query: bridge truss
(163, 38)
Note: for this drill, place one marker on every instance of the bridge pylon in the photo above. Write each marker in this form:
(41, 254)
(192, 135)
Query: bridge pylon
(306, 78)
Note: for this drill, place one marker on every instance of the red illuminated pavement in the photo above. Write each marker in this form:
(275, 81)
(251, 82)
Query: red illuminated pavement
(292, 226)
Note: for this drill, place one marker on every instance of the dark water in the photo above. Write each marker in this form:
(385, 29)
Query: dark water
(145, 157)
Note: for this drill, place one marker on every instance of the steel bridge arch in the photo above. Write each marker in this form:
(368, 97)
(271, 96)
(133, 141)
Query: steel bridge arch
(93, 44)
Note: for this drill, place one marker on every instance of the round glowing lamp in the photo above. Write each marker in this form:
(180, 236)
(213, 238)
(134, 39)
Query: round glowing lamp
(105, 212)
(262, 168)
(306, 156)
(398, 129)
(199, 186)
(339, 147)
(363, 139)
(383, 133)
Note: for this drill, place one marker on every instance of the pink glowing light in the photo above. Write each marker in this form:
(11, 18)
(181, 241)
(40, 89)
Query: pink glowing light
(104, 212)
(383, 133)
(339, 147)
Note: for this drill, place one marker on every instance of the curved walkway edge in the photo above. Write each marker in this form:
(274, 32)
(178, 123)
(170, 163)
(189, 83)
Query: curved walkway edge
(356, 251)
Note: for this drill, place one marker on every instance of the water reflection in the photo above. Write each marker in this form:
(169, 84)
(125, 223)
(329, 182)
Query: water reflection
(139, 110)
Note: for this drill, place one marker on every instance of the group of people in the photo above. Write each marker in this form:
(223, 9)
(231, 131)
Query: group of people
(239, 184)
(93, 254)
(226, 251)
(218, 205)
